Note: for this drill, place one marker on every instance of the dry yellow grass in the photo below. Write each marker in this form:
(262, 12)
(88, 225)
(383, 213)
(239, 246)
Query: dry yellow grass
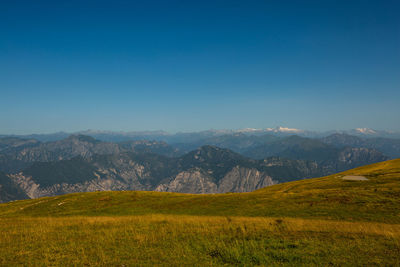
(216, 222)
(202, 240)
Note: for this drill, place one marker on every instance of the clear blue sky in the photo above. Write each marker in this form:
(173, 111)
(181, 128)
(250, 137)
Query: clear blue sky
(196, 65)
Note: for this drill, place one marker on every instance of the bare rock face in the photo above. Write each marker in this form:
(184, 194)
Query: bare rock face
(192, 181)
(26, 184)
(131, 177)
(125, 176)
(244, 180)
(239, 179)
(9, 190)
(34, 190)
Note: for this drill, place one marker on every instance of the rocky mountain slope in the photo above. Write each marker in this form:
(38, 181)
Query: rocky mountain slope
(331, 158)
(206, 170)
(388, 146)
(328, 152)
(9, 190)
(16, 154)
(81, 163)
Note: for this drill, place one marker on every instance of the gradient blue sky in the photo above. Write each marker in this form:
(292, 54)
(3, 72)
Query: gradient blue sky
(196, 65)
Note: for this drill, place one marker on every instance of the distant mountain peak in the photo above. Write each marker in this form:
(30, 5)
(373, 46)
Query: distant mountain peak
(82, 138)
(281, 129)
(248, 130)
(365, 130)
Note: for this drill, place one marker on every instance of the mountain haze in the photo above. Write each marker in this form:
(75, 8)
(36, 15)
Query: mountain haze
(214, 163)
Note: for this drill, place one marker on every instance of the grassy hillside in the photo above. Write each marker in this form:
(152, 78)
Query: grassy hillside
(331, 197)
(322, 221)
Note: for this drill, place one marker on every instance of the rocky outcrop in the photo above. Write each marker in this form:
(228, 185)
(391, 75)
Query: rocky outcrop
(34, 190)
(27, 184)
(244, 180)
(239, 179)
(9, 190)
(191, 181)
(128, 171)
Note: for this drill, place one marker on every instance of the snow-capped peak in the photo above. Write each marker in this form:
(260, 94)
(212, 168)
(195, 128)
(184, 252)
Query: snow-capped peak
(365, 131)
(281, 129)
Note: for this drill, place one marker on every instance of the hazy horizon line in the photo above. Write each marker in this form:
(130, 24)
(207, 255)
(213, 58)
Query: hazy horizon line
(247, 129)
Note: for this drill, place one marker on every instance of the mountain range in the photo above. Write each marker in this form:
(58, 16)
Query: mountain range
(114, 136)
(228, 162)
